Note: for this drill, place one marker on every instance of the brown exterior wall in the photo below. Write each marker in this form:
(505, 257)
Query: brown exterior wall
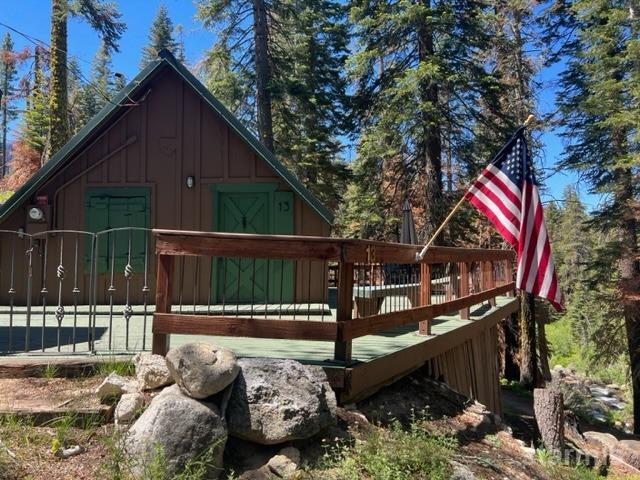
(171, 135)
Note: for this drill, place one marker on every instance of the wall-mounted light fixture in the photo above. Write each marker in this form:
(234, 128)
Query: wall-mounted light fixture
(191, 181)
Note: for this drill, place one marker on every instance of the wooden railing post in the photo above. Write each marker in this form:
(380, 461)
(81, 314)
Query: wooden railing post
(164, 276)
(424, 327)
(487, 278)
(344, 312)
(508, 269)
(464, 288)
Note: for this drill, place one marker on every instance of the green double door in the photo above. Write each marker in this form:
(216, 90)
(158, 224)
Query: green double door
(255, 209)
(109, 209)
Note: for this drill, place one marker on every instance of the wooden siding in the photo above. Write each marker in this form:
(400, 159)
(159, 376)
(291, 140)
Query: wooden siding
(170, 135)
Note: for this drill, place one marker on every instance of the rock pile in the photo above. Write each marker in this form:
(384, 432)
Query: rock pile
(260, 400)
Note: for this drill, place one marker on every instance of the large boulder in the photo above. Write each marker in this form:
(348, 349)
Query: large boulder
(275, 401)
(601, 438)
(201, 369)
(182, 428)
(114, 386)
(629, 452)
(151, 371)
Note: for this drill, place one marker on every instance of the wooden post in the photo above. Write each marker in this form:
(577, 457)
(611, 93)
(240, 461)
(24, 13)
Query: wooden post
(464, 288)
(424, 327)
(487, 276)
(160, 345)
(549, 411)
(509, 275)
(344, 313)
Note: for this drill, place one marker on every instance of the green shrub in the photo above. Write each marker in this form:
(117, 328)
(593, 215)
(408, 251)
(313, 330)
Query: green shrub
(392, 454)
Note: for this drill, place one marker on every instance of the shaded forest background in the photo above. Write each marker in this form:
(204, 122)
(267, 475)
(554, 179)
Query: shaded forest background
(419, 95)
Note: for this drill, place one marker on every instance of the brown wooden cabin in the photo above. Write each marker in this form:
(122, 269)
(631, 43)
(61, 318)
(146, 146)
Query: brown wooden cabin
(163, 154)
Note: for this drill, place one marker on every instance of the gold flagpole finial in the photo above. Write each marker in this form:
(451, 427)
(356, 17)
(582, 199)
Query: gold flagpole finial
(529, 119)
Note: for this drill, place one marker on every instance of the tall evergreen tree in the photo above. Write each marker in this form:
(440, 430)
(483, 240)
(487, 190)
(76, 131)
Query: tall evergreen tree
(160, 37)
(179, 48)
(101, 86)
(105, 19)
(278, 65)
(8, 110)
(75, 95)
(36, 116)
(243, 30)
(600, 111)
(310, 110)
(417, 88)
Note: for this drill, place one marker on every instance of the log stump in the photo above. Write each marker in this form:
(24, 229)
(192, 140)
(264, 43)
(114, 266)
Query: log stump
(549, 412)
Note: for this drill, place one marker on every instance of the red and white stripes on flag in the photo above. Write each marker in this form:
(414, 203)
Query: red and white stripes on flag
(507, 194)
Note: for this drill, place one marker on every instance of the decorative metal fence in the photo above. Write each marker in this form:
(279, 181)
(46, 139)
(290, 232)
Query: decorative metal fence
(68, 291)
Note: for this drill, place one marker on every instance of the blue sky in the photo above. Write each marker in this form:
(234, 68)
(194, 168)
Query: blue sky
(33, 16)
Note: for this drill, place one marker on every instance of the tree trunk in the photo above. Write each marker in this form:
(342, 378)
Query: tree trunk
(5, 120)
(630, 289)
(58, 122)
(263, 73)
(511, 366)
(548, 407)
(542, 316)
(528, 357)
(432, 142)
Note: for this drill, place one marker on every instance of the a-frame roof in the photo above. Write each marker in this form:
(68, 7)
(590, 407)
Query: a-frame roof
(79, 141)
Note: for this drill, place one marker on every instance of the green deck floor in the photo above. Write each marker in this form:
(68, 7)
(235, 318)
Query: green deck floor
(364, 349)
(114, 330)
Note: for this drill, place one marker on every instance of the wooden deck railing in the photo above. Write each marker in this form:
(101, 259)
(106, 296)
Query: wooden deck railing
(380, 286)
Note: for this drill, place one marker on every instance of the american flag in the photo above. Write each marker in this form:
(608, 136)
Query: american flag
(506, 192)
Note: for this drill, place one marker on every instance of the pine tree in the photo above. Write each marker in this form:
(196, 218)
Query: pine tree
(58, 120)
(310, 110)
(600, 112)
(284, 78)
(104, 18)
(243, 32)
(179, 48)
(8, 111)
(418, 83)
(75, 95)
(100, 88)
(35, 128)
(160, 37)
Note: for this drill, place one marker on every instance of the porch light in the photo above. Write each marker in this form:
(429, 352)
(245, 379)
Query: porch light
(191, 181)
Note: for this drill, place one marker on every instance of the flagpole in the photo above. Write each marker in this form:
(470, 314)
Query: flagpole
(423, 252)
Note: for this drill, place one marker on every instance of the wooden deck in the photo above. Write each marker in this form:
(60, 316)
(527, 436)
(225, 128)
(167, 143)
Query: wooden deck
(449, 327)
(381, 358)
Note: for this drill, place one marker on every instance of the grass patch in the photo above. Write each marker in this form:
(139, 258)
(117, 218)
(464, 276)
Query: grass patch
(49, 371)
(561, 471)
(112, 364)
(390, 454)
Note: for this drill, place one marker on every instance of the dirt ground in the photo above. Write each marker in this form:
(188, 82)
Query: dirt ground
(48, 393)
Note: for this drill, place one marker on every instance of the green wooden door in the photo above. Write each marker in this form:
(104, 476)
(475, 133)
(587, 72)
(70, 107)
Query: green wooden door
(243, 280)
(108, 209)
(256, 209)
